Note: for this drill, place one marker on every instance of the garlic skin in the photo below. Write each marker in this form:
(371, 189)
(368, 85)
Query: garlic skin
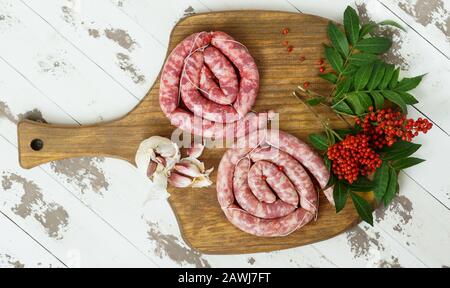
(196, 150)
(190, 172)
(158, 158)
(155, 158)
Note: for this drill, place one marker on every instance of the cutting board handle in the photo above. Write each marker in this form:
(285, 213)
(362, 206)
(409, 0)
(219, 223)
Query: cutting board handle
(40, 143)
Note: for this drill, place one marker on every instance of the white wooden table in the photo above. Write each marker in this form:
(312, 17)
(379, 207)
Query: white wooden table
(80, 62)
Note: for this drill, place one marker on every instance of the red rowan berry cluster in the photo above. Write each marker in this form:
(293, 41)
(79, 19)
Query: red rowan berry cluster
(352, 157)
(355, 155)
(385, 127)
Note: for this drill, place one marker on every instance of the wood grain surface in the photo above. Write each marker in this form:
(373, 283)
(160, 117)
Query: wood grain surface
(201, 220)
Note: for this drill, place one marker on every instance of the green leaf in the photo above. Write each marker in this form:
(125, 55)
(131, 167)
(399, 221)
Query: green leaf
(329, 77)
(350, 70)
(397, 147)
(407, 84)
(319, 141)
(355, 104)
(392, 23)
(408, 98)
(332, 181)
(362, 184)
(394, 80)
(314, 101)
(343, 87)
(388, 73)
(381, 180)
(406, 163)
(377, 75)
(363, 208)
(376, 45)
(338, 39)
(378, 99)
(334, 58)
(395, 98)
(351, 25)
(365, 100)
(361, 59)
(391, 190)
(343, 108)
(399, 150)
(367, 28)
(359, 102)
(362, 76)
(340, 195)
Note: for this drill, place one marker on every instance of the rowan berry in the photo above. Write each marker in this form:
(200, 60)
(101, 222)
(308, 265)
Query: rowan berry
(353, 157)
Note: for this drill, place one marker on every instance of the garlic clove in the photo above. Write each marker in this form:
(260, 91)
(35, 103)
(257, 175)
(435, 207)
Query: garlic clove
(200, 165)
(202, 181)
(179, 181)
(161, 160)
(151, 168)
(196, 150)
(188, 168)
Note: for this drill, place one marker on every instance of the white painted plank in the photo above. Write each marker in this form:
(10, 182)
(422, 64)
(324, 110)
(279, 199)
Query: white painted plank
(109, 38)
(369, 247)
(431, 19)
(18, 250)
(328, 9)
(60, 71)
(413, 226)
(169, 244)
(56, 219)
(111, 187)
(158, 18)
(432, 174)
(26, 102)
(278, 5)
(415, 221)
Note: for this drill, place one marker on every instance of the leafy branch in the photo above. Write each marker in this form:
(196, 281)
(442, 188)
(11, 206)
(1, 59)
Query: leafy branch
(360, 79)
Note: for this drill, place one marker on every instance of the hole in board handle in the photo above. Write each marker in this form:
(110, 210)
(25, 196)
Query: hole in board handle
(37, 144)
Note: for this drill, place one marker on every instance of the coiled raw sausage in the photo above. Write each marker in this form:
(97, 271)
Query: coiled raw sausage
(263, 184)
(202, 71)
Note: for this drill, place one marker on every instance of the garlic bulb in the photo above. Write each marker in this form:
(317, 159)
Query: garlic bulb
(158, 158)
(155, 158)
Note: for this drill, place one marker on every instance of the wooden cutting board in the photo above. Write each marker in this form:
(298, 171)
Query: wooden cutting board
(202, 222)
